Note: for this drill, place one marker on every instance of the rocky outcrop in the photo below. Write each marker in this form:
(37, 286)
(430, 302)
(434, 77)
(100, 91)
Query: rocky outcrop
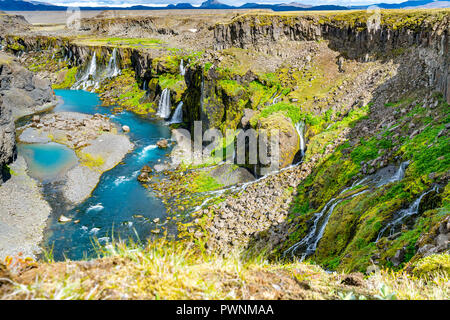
(8, 150)
(289, 141)
(23, 92)
(12, 23)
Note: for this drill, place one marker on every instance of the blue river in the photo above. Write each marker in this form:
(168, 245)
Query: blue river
(120, 208)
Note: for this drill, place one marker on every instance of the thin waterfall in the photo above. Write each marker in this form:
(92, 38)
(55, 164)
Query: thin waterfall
(164, 104)
(85, 81)
(412, 210)
(182, 68)
(320, 219)
(275, 100)
(113, 69)
(300, 127)
(144, 86)
(178, 114)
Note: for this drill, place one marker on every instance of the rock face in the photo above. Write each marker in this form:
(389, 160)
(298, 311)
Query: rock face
(10, 23)
(22, 91)
(8, 150)
(345, 34)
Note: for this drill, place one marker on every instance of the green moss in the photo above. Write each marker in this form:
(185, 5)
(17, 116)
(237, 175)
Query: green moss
(93, 162)
(291, 111)
(69, 79)
(173, 82)
(203, 183)
(231, 87)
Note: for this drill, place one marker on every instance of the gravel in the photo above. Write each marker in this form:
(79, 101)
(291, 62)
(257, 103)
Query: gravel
(23, 213)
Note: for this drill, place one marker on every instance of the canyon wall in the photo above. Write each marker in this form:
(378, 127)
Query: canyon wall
(350, 35)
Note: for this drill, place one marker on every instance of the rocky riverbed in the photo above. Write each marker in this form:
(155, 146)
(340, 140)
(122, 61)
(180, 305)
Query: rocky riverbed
(93, 137)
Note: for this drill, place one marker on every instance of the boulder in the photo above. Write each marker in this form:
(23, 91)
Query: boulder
(162, 144)
(230, 174)
(144, 177)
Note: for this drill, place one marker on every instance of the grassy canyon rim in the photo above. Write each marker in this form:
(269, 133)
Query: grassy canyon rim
(359, 209)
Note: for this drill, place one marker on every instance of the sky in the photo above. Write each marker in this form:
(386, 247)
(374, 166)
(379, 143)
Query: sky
(158, 3)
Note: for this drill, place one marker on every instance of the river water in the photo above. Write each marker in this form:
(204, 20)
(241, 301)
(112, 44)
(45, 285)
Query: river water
(120, 207)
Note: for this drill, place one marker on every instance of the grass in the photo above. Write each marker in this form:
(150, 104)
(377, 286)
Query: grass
(120, 42)
(165, 269)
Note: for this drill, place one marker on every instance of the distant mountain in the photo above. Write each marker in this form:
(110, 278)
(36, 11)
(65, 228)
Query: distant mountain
(18, 5)
(180, 6)
(21, 5)
(215, 4)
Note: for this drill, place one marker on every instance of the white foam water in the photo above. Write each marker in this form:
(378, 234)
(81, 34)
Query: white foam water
(145, 150)
(94, 231)
(178, 114)
(182, 68)
(97, 207)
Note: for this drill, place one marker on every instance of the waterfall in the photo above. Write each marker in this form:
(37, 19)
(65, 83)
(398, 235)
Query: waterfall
(275, 100)
(412, 210)
(144, 86)
(164, 104)
(400, 172)
(92, 66)
(320, 219)
(85, 81)
(178, 114)
(300, 127)
(182, 68)
(113, 69)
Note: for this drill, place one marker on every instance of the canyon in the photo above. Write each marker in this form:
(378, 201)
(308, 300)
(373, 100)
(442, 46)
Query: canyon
(362, 112)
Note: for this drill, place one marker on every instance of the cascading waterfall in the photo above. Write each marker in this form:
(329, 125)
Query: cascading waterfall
(164, 104)
(412, 210)
(182, 68)
(320, 219)
(113, 69)
(300, 127)
(87, 80)
(178, 114)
